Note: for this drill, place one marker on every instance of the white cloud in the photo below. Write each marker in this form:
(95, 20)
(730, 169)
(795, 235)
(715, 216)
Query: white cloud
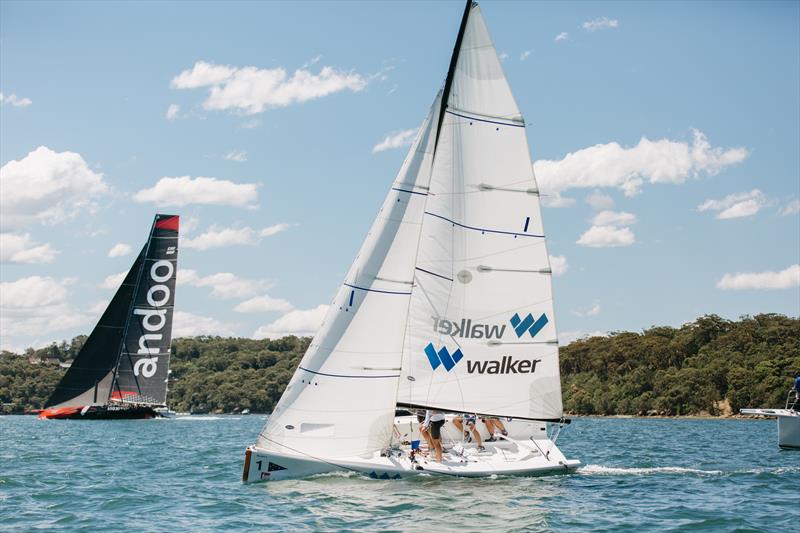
(47, 187)
(524, 55)
(395, 140)
(792, 208)
(190, 325)
(563, 36)
(556, 201)
(600, 201)
(592, 310)
(20, 248)
(185, 190)
(14, 100)
(737, 205)
(600, 23)
(503, 56)
(785, 279)
(240, 156)
(217, 237)
(189, 224)
(613, 218)
(224, 285)
(253, 90)
(263, 304)
(566, 337)
(172, 111)
(113, 281)
(607, 237)
(611, 165)
(274, 229)
(37, 306)
(120, 250)
(558, 264)
(298, 322)
(313, 61)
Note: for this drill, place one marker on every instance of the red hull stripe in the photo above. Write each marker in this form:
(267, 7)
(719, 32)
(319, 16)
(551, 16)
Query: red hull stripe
(168, 223)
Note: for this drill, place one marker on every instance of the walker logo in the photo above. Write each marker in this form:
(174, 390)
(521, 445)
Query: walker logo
(528, 324)
(442, 357)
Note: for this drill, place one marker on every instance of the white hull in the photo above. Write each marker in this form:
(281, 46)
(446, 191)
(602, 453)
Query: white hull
(537, 455)
(788, 425)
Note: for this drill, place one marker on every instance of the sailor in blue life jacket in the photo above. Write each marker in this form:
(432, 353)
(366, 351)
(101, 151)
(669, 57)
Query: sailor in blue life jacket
(796, 389)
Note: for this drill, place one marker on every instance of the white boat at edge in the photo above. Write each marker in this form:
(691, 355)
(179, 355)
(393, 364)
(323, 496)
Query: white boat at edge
(788, 419)
(447, 306)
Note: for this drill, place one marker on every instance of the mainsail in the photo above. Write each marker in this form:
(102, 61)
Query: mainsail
(126, 357)
(481, 328)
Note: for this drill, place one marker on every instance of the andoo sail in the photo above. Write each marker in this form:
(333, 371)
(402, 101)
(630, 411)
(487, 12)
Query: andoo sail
(448, 305)
(122, 369)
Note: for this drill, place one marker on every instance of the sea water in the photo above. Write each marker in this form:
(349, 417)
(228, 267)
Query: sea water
(184, 473)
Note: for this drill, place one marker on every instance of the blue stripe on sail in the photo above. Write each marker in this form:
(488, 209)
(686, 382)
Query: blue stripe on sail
(345, 375)
(486, 120)
(482, 229)
(433, 274)
(527, 221)
(374, 290)
(410, 192)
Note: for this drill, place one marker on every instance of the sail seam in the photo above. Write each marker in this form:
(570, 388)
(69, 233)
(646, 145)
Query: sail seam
(482, 229)
(346, 375)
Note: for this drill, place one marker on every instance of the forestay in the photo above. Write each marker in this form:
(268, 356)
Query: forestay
(340, 401)
(481, 333)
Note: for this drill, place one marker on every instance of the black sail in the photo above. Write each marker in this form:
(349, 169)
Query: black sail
(89, 378)
(143, 369)
(102, 371)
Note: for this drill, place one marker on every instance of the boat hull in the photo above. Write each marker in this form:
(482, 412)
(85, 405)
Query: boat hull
(789, 432)
(788, 425)
(100, 412)
(527, 451)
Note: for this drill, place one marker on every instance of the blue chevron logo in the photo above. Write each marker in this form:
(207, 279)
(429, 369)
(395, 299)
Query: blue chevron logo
(528, 324)
(443, 357)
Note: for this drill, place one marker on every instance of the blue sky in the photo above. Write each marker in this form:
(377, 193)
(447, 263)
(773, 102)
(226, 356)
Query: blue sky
(666, 136)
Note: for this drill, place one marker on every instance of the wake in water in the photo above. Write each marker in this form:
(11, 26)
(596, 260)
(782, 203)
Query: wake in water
(621, 471)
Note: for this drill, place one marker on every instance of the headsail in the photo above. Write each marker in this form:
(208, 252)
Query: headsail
(481, 328)
(341, 400)
(91, 378)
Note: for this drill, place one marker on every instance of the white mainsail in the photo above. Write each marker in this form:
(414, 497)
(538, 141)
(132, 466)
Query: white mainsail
(341, 400)
(481, 334)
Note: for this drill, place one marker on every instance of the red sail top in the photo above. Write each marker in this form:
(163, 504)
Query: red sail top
(168, 223)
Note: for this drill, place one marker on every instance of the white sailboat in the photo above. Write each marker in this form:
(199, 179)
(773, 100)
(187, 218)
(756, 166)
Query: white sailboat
(448, 306)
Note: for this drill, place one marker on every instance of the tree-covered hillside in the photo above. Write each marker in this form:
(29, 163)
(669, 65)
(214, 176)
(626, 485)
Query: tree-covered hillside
(711, 365)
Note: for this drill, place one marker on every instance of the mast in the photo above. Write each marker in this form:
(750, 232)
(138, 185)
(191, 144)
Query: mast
(448, 82)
